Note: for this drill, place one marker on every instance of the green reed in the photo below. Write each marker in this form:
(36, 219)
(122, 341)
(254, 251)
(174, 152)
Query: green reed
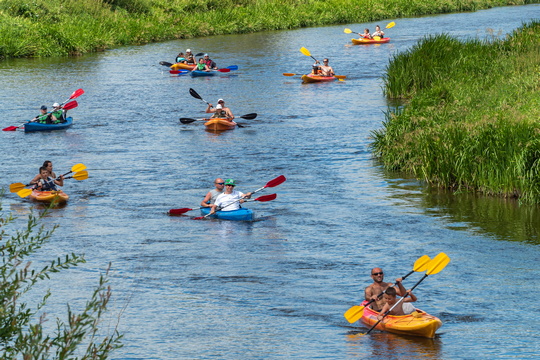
(35, 28)
(471, 116)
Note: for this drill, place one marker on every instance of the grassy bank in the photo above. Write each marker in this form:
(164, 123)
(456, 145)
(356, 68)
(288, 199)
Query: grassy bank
(38, 28)
(472, 118)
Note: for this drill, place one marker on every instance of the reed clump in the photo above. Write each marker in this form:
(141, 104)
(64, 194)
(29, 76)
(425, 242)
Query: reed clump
(471, 119)
(40, 28)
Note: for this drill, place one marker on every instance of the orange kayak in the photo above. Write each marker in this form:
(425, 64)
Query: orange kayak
(218, 124)
(310, 78)
(369, 41)
(419, 323)
(57, 197)
(180, 66)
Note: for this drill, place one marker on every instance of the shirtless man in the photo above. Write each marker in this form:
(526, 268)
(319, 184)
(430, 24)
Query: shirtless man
(376, 290)
(326, 70)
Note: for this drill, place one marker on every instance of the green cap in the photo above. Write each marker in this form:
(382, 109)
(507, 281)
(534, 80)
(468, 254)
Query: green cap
(230, 182)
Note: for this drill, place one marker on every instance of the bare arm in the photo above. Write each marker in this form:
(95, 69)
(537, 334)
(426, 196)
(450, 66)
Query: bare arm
(209, 109)
(206, 199)
(59, 181)
(400, 289)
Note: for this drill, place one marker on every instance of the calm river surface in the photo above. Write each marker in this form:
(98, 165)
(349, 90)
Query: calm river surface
(276, 287)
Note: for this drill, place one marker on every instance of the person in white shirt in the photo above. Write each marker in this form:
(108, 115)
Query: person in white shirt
(230, 199)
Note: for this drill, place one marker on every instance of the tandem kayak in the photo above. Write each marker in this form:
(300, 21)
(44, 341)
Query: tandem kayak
(370, 41)
(56, 197)
(219, 124)
(35, 126)
(310, 78)
(419, 323)
(182, 66)
(241, 214)
(195, 73)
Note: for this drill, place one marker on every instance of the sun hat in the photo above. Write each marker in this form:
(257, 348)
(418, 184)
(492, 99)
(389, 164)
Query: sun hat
(43, 107)
(230, 182)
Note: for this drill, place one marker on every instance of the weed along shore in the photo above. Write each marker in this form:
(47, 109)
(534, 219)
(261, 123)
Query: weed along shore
(470, 122)
(53, 28)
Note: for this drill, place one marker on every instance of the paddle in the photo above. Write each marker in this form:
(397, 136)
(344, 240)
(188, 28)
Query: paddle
(355, 313)
(15, 187)
(390, 25)
(68, 106)
(165, 63)
(260, 198)
(336, 76)
(180, 72)
(438, 263)
(306, 52)
(250, 116)
(81, 175)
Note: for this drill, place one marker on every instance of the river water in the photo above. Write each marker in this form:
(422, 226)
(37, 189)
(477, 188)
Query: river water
(276, 287)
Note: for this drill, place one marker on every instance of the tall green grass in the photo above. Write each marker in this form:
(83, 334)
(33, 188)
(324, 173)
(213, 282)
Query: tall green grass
(36, 28)
(472, 114)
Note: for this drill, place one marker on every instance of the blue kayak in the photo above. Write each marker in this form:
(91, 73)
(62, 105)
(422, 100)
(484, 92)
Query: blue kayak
(35, 126)
(202, 73)
(241, 214)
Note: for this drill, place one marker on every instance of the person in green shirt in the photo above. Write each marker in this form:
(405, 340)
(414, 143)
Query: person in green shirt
(201, 66)
(57, 115)
(42, 117)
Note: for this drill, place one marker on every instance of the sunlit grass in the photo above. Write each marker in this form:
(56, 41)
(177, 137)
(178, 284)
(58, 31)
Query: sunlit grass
(472, 116)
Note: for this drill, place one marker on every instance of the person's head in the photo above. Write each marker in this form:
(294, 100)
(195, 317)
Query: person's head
(221, 102)
(56, 106)
(325, 61)
(205, 56)
(201, 61)
(43, 109)
(377, 275)
(188, 52)
(377, 28)
(219, 107)
(219, 184)
(390, 295)
(48, 165)
(366, 31)
(43, 172)
(229, 185)
(181, 54)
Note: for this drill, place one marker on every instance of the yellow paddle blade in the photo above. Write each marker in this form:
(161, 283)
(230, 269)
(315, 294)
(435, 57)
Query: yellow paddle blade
(305, 51)
(391, 25)
(288, 74)
(438, 263)
(347, 31)
(24, 192)
(376, 38)
(78, 167)
(422, 263)
(340, 76)
(16, 187)
(354, 314)
(81, 175)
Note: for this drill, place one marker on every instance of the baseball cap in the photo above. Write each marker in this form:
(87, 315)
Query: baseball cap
(188, 50)
(56, 105)
(218, 100)
(43, 107)
(230, 182)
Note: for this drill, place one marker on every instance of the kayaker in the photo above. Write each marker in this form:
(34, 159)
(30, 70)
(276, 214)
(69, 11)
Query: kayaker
(401, 308)
(42, 117)
(46, 182)
(57, 114)
(49, 166)
(229, 115)
(212, 195)
(201, 66)
(180, 58)
(190, 59)
(325, 69)
(378, 32)
(366, 34)
(211, 64)
(219, 113)
(375, 291)
(230, 199)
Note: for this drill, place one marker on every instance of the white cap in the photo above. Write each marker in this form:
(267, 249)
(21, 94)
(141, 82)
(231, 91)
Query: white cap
(218, 100)
(219, 107)
(56, 105)
(188, 50)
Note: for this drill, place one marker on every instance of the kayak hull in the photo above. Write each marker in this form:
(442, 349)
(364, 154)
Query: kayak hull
(241, 214)
(35, 126)
(218, 124)
(182, 66)
(56, 197)
(369, 41)
(196, 73)
(419, 323)
(310, 78)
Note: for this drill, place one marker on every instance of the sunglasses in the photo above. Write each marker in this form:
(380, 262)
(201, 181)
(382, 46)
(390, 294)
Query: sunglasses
(379, 273)
(220, 183)
(230, 185)
(221, 102)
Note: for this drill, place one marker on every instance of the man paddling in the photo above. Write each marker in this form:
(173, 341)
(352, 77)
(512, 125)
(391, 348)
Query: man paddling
(230, 199)
(376, 290)
(212, 195)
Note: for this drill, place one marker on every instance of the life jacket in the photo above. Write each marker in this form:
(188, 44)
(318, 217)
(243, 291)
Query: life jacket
(201, 66)
(222, 114)
(48, 185)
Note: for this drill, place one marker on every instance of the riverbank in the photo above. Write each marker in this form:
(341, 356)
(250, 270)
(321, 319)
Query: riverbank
(471, 119)
(45, 28)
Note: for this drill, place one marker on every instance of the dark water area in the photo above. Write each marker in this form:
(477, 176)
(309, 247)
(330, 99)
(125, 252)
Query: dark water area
(276, 287)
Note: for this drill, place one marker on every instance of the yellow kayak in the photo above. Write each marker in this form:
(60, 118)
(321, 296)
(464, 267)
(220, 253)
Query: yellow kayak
(419, 323)
(182, 66)
(57, 197)
(369, 41)
(218, 124)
